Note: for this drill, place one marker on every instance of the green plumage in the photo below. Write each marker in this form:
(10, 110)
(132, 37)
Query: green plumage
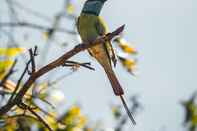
(91, 27)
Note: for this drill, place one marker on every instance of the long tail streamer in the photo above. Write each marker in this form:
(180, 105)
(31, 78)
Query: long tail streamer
(127, 110)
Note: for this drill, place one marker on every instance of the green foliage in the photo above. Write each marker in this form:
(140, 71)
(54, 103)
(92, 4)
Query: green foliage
(190, 112)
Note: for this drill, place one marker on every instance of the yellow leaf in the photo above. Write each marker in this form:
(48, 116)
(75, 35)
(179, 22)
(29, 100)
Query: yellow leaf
(74, 117)
(125, 46)
(70, 8)
(4, 66)
(75, 110)
(129, 64)
(10, 52)
(46, 35)
(88, 129)
(2, 74)
(128, 49)
(18, 110)
(76, 129)
(51, 120)
(82, 121)
(10, 85)
(194, 120)
(41, 88)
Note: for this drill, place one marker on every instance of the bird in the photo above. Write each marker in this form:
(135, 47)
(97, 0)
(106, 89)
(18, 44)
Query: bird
(90, 26)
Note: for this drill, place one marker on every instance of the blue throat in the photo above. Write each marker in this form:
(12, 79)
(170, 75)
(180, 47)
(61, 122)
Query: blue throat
(92, 7)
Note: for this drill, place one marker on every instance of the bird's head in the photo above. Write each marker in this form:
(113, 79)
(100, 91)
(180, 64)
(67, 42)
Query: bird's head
(98, 0)
(93, 6)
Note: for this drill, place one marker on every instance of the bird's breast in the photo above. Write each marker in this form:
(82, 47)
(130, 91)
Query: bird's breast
(87, 28)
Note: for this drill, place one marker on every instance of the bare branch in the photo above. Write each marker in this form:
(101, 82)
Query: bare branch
(25, 107)
(34, 26)
(56, 63)
(60, 78)
(74, 63)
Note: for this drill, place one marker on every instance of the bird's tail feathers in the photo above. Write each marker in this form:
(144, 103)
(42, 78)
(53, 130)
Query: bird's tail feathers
(127, 110)
(114, 82)
(118, 91)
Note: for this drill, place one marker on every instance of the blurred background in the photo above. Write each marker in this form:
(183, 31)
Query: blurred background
(161, 31)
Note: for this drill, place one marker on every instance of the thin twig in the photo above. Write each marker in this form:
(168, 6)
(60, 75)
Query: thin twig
(51, 83)
(12, 11)
(2, 92)
(74, 63)
(44, 112)
(22, 115)
(34, 26)
(31, 11)
(33, 65)
(19, 81)
(25, 107)
(40, 119)
(32, 61)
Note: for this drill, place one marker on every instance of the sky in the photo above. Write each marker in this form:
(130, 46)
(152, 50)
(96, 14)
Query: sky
(163, 31)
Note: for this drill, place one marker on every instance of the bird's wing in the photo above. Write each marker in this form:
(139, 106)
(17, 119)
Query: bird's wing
(77, 24)
(102, 29)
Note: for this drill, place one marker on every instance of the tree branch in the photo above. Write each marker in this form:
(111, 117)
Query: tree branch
(56, 63)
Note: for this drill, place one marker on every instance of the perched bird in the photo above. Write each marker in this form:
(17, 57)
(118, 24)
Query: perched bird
(91, 26)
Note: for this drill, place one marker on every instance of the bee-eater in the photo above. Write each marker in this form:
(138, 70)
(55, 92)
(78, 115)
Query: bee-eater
(91, 26)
